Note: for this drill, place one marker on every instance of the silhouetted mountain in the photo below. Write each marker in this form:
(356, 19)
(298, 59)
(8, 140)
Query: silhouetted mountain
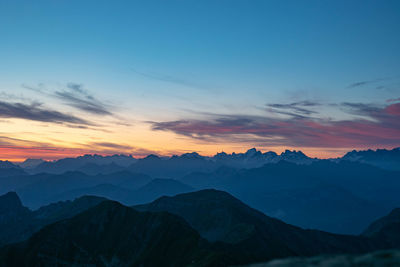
(173, 167)
(7, 164)
(94, 169)
(218, 216)
(18, 223)
(251, 159)
(112, 235)
(340, 193)
(254, 159)
(157, 188)
(108, 191)
(9, 169)
(12, 216)
(30, 163)
(149, 192)
(294, 156)
(74, 164)
(107, 234)
(386, 229)
(8, 172)
(387, 159)
(11, 209)
(41, 189)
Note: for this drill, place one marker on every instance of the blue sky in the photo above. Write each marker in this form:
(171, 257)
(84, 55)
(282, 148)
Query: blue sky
(164, 61)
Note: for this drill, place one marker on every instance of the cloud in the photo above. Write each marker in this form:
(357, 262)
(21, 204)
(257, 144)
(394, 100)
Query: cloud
(79, 98)
(20, 149)
(295, 109)
(37, 112)
(364, 83)
(380, 127)
(110, 145)
(74, 95)
(393, 100)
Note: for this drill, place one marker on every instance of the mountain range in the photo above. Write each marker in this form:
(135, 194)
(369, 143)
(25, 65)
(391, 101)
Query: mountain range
(345, 192)
(202, 228)
(172, 167)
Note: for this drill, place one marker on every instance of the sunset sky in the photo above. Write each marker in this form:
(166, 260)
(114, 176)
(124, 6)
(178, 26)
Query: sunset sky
(169, 77)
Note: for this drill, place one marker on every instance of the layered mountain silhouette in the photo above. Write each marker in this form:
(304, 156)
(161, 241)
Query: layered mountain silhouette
(17, 222)
(386, 229)
(149, 192)
(347, 193)
(81, 163)
(177, 166)
(41, 189)
(218, 216)
(30, 163)
(202, 228)
(113, 235)
(387, 159)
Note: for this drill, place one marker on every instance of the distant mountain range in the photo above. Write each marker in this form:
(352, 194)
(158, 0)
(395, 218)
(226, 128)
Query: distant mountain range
(347, 193)
(178, 166)
(202, 228)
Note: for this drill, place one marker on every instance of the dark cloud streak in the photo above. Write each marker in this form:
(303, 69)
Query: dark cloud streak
(79, 98)
(36, 112)
(381, 128)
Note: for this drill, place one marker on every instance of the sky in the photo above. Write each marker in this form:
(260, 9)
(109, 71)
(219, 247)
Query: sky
(169, 77)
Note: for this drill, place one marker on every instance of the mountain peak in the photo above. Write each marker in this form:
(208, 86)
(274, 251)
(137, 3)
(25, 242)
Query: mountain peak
(377, 226)
(192, 155)
(252, 151)
(10, 200)
(6, 164)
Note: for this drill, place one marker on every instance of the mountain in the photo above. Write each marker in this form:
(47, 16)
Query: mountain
(253, 158)
(173, 167)
(11, 209)
(157, 188)
(13, 217)
(386, 229)
(170, 167)
(108, 191)
(18, 223)
(7, 164)
(9, 172)
(250, 159)
(383, 158)
(203, 228)
(30, 163)
(95, 169)
(341, 193)
(41, 189)
(8, 169)
(74, 164)
(112, 235)
(148, 192)
(294, 156)
(219, 217)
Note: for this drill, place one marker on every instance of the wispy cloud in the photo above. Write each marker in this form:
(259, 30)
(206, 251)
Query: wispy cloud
(37, 112)
(393, 100)
(367, 82)
(76, 96)
(381, 128)
(294, 109)
(19, 149)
